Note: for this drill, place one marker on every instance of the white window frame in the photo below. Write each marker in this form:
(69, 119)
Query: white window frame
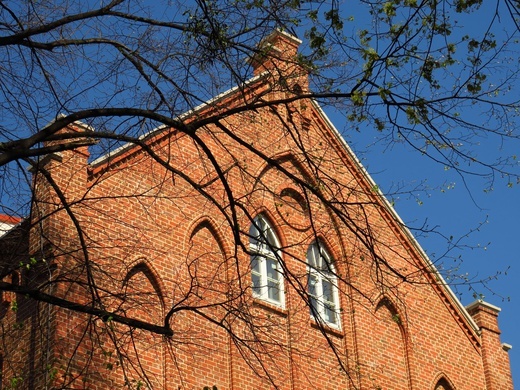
(323, 306)
(266, 272)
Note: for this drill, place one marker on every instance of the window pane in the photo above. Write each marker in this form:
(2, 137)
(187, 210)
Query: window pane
(273, 290)
(327, 291)
(314, 306)
(265, 270)
(312, 284)
(329, 315)
(256, 275)
(311, 256)
(273, 280)
(269, 234)
(325, 262)
(255, 264)
(321, 287)
(254, 234)
(272, 269)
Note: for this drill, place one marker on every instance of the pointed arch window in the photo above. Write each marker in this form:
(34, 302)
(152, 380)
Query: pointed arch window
(322, 285)
(266, 272)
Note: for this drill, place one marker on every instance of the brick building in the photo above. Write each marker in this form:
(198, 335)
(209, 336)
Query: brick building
(252, 253)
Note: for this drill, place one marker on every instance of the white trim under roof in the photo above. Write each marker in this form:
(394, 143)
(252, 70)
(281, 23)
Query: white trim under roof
(506, 347)
(181, 117)
(481, 302)
(266, 39)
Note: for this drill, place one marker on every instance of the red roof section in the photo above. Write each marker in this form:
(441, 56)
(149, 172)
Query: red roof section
(9, 219)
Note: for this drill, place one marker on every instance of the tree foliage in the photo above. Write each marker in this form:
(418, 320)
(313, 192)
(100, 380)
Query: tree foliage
(415, 71)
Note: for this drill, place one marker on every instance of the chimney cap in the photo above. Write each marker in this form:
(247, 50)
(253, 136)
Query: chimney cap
(279, 35)
(480, 302)
(277, 47)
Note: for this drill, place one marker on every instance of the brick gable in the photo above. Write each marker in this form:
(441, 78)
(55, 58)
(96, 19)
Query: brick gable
(159, 232)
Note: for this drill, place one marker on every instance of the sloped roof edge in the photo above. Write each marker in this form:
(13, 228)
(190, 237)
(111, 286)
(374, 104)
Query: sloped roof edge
(181, 117)
(113, 153)
(394, 214)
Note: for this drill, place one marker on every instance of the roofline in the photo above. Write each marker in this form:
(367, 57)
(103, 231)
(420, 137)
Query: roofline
(113, 153)
(394, 214)
(76, 123)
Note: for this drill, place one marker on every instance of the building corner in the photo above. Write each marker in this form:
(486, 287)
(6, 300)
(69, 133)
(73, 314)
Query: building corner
(495, 357)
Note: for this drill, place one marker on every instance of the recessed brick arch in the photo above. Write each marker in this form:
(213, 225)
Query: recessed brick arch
(141, 265)
(142, 298)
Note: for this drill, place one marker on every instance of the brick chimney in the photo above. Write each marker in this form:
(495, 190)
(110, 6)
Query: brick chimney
(278, 56)
(56, 177)
(495, 357)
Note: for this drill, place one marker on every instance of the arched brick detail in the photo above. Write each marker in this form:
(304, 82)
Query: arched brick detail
(203, 276)
(273, 221)
(208, 223)
(286, 160)
(140, 353)
(385, 359)
(141, 265)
